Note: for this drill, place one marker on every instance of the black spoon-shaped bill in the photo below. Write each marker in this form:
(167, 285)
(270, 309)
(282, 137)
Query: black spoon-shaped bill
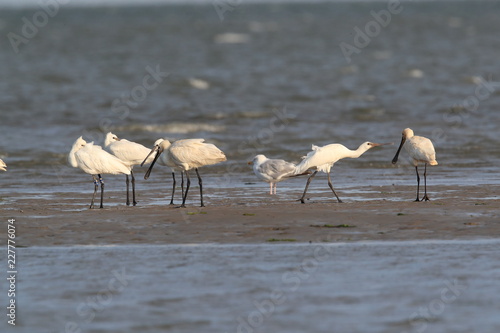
(395, 159)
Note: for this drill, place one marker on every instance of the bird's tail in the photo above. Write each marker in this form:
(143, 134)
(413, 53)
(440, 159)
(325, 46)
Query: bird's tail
(433, 162)
(305, 164)
(307, 172)
(301, 168)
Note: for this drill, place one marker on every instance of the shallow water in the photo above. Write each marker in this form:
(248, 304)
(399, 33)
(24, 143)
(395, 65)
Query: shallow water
(347, 287)
(273, 81)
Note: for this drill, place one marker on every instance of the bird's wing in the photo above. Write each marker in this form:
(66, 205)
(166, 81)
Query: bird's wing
(195, 154)
(130, 152)
(3, 166)
(321, 158)
(421, 149)
(307, 161)
(187, 142)
(276, 169)
(94, 160)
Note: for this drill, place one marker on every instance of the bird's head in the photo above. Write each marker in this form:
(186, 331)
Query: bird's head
(79, 143)
(160, 146)
(3, 166)
(408, 133)
(164, 145)
(369, 145)
(257, 159)
(157, 142)
(110, 138)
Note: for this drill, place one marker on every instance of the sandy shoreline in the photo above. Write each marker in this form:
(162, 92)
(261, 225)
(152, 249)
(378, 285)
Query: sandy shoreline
(451, 216)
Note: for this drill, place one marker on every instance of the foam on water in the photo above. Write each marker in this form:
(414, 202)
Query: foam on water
(173, 128)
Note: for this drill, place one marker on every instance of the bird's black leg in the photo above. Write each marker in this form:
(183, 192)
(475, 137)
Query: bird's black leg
(425, 198)
(133, 188)
(331, 187)
(418, 184)
(96, 186)
(188, 183)
(173, 188)
(307, 185)
(182, 183)
(200, 182)
(102, 189)
(127, 182)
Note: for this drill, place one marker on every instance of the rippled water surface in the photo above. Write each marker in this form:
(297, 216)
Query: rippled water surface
(416, 286)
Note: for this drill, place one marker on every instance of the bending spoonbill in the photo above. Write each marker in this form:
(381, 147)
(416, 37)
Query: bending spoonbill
(188, 154)
(3, 166)
(95, 161)
(421, 150)
(164, 160)
(131, 153)
(273, 171)
(323, 158)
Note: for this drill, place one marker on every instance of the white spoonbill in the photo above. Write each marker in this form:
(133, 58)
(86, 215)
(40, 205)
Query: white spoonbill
(273, 171)
(131, 153)
(323, 158)
(188, 154)
(3, 166)
(95, 161)
(421, 150)
(164, 160)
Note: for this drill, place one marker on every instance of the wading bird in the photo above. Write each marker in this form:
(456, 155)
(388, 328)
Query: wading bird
(131, 153)
(188, 154)
(95, 161)
(323, 158)
(164, 160)
(273, 171)
(3, 166)
(421, 150)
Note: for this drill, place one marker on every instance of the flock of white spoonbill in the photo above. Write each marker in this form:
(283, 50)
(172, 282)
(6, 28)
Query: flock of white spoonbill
(119, 156)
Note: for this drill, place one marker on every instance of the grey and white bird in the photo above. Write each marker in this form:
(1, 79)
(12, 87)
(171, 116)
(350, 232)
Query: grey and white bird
(273, 171)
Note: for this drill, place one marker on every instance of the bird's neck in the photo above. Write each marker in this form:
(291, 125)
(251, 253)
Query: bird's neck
(72, 159)
(358, 152)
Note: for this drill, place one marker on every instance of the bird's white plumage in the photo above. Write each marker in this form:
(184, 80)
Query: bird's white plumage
(92, 159)
(3, 166)
(323, 158)
(185, 155)
(189, 154)
(420, 149)
(129, 152)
